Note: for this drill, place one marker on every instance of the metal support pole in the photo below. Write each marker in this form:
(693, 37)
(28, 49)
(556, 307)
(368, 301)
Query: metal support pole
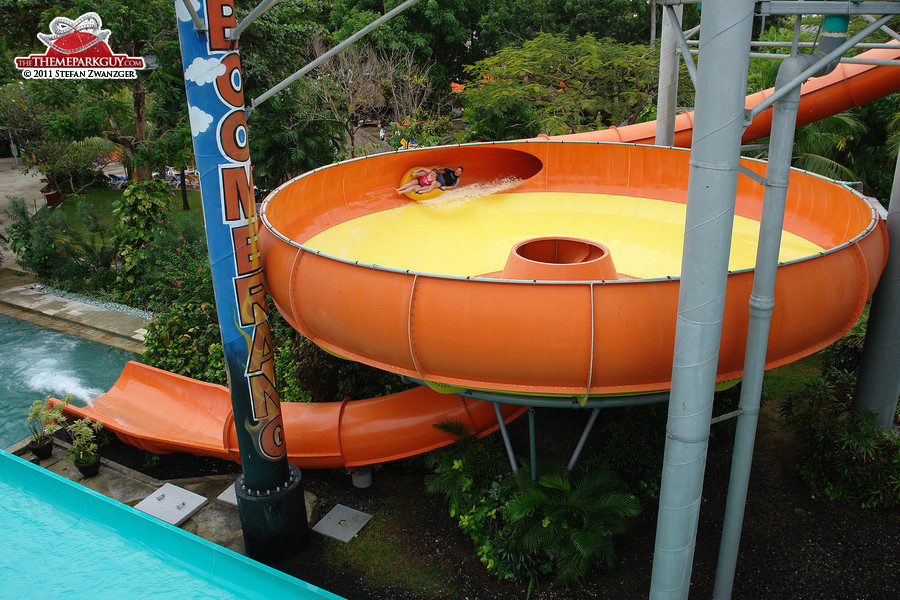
(884, 28)
(261, 8)
(762, 297)
(832, 56)
(532, 443)
(762, 301)
(724, 48)
(503, 432)
(667, 98)
(879, 369)
(269, 493)
(581, 441)
(199, 25)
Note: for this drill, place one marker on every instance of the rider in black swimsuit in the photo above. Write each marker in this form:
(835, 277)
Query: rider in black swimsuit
(447, 177)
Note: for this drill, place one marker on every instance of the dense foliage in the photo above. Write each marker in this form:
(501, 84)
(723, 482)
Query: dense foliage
(185, 340)
(844, 456)
(556, 85)
(138, 216)
(560, 523)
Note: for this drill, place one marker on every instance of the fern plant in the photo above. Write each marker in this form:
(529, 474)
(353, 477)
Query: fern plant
(571, 518)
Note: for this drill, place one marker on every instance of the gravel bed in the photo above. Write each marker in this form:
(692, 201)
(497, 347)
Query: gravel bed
(128, 310)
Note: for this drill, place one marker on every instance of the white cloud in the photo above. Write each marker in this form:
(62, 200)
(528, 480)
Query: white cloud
(182, 13)
(200, 121)
(204, 70)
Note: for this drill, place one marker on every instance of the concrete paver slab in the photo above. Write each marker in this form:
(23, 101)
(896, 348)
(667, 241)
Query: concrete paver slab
(342, 523)
(172, 504)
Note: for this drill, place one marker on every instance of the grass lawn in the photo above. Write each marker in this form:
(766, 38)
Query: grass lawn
(102, 199)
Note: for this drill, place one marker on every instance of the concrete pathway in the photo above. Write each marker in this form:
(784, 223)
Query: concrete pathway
(21, 297)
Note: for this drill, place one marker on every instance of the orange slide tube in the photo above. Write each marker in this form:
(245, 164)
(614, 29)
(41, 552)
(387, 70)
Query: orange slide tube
(848, 86)
(162, 412)
(426, 291)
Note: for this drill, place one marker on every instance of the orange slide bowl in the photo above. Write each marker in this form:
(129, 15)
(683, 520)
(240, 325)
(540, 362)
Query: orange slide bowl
(425, 291)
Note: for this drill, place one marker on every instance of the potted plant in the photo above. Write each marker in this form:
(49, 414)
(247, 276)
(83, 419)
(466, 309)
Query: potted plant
(44, 420)
(83, 450)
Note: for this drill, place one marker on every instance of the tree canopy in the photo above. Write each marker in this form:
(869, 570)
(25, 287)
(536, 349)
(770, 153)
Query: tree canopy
(557, 85)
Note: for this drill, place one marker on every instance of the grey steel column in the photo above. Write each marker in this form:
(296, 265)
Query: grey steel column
(762, 301)
(879, 369)
(762, 297)
(667, 95)
(724, 58)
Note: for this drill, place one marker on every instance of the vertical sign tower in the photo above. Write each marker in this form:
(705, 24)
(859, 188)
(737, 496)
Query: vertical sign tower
(270, 495)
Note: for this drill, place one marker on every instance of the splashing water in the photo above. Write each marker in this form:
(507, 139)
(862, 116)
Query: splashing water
(467, 193)
(37, 362)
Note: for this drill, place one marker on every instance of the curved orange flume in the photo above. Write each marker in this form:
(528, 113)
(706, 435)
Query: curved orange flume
(423, 291)
(848, 86)
(162, 412)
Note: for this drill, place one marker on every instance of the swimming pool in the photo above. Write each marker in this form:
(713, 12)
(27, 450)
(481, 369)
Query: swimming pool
(60, 539)
(36, 362)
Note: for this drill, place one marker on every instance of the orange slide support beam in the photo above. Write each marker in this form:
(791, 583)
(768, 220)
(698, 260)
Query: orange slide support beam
(162, 412)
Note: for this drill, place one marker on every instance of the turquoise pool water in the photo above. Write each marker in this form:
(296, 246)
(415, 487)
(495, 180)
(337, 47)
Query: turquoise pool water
(36, 362)
(61, 540)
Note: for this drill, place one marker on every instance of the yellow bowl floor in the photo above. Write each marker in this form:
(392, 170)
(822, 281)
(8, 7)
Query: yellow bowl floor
(466, 233)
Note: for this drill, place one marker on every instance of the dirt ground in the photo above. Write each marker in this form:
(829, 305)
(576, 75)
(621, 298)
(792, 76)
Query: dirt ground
(793, 545)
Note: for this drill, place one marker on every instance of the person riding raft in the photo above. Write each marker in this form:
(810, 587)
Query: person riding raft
(426, 180)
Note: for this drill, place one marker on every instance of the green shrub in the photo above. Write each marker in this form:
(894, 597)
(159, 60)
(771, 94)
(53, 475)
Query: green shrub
(177, 270)
(287, 342)
(522, 529)
(83, 435)
(844, 456)
(139, 219)
(44, 419)
(845, 353)
(330, 378)
(570, 518)
(36, 240)
(185, 340)
(633, 442)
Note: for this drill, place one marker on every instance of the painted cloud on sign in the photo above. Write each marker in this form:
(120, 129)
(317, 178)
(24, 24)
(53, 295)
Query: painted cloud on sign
(182, 13)
(200, 121)
(204, 70)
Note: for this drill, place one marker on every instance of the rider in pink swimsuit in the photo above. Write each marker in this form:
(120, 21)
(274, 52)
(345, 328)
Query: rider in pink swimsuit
(425, 181)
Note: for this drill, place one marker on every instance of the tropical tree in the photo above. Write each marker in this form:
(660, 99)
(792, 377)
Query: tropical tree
(348, 87)
(288, 133)
(442, 32)
(66, 146)
(138, 28)
(515, 21)
(285, 142)
(556, 85)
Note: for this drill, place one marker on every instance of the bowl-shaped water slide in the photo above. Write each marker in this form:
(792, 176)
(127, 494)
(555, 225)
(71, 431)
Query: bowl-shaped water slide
(552, 270)
(589, 310)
